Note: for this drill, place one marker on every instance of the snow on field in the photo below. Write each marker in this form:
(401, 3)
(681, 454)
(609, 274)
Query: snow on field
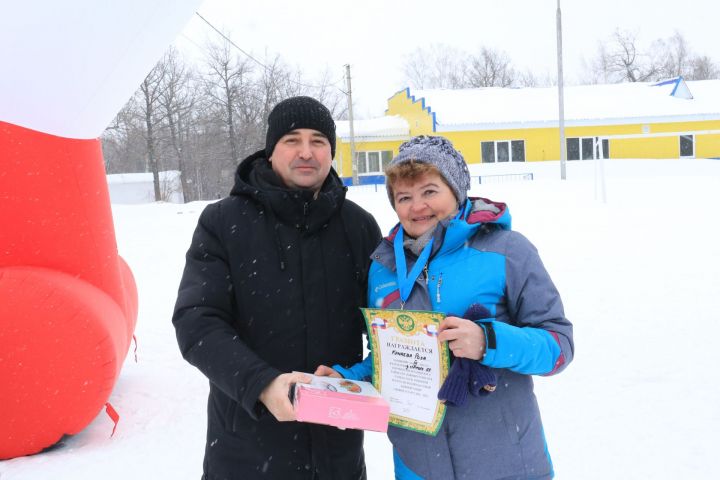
(640, 279)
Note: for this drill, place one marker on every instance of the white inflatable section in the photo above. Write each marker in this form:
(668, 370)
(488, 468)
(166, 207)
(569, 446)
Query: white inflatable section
(68, 67)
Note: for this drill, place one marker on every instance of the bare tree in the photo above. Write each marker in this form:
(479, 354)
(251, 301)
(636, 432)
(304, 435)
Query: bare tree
(227, 83)
(672, 57)
(207, 140)
(330, 95)
(678, 59)
(279, 81)
(596, 70)
(489, 68)
(439, 66)
(703, 68)
(621, 60)
(528, 78)
(626, 63)
(176, 100)
(276, 82)
(203, 124)
(123, 141)
(415, 69)
(150, 92)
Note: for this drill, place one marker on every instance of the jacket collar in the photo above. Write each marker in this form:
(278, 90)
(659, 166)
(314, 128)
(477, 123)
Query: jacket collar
(255, 178)
(454, 232)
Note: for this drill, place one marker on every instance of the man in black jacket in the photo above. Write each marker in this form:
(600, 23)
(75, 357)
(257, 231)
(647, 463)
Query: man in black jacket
(273, 282)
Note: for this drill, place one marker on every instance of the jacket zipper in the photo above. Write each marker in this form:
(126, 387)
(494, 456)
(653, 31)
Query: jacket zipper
(305, 215)
(437, 288)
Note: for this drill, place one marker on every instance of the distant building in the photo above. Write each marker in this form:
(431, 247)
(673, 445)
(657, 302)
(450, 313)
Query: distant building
(669, 119)
(131, 188)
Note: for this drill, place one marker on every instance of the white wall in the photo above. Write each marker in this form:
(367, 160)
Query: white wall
(133, 188)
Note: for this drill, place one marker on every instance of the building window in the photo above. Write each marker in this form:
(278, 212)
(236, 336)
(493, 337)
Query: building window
(586, 148)
(373, 163)
(605, 149)
(687, 146)
(503, 151)
(488, 152)
(386, 156)
(361, 162)
(518, 150)
(573, 148)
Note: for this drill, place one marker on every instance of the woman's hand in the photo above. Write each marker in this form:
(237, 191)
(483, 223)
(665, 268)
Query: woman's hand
(465, 338)
(323, 371)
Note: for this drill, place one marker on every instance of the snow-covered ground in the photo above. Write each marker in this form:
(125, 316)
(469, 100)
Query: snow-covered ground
(640, 279)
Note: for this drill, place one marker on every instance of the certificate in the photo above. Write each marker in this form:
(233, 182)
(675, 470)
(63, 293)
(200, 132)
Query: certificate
(409, 365)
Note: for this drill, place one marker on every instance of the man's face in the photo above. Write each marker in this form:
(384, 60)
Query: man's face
(302, 159)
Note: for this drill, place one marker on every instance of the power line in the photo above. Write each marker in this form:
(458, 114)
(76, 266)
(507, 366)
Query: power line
(192, 41)
(265, 67)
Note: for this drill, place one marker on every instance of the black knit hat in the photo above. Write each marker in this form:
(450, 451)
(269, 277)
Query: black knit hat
(298, 112)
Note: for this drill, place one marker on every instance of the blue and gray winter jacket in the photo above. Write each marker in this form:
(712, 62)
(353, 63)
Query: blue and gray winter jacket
(476, 258)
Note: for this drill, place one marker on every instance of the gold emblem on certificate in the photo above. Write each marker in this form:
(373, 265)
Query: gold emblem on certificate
(409, 365)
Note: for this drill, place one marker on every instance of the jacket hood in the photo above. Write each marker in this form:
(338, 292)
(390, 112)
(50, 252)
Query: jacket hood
(453, 232)
(302, 210)
(475, 212)
(242, 184)
(485, 211)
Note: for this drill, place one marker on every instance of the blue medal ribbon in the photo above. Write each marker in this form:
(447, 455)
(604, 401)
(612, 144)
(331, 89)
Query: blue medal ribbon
(405, 281)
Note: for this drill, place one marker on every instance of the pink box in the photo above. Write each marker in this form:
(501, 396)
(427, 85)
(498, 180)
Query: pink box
(341, 403)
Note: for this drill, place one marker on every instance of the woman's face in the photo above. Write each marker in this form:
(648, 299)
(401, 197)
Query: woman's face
(420, 205)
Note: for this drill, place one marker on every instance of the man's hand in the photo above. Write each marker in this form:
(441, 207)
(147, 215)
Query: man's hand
(323, 371)
(276, 395)
(465, 338)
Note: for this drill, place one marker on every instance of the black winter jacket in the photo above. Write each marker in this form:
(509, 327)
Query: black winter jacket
(272, 284)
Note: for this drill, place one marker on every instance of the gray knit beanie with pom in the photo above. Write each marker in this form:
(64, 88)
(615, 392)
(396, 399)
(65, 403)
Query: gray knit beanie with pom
(440, 152)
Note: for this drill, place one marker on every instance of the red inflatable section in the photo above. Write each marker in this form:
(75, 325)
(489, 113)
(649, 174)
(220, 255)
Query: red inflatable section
(68, 302)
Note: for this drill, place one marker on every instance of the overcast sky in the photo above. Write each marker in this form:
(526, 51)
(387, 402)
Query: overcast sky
(375, 36)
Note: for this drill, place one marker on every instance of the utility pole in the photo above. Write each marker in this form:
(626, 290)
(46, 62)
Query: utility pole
(353, 159)
(561, 100)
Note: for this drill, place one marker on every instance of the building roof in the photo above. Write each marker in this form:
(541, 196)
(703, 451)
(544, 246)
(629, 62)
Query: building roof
(497, 108)
(392, 127)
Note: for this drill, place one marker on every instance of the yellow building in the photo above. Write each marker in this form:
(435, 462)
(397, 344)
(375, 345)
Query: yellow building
(670, 119)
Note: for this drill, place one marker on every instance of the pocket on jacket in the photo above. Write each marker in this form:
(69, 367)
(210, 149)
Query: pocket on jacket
(223, 411)
(229, 416)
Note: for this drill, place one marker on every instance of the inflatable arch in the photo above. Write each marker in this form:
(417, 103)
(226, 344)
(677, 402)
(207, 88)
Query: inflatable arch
(68, 302)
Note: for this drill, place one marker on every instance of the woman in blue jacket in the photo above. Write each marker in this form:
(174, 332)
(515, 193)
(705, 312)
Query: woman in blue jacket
(505, 319)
